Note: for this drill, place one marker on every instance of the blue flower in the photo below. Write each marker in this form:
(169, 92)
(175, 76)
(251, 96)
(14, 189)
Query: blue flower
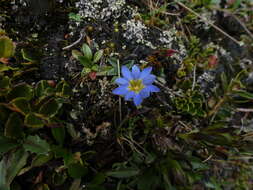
(135, 85)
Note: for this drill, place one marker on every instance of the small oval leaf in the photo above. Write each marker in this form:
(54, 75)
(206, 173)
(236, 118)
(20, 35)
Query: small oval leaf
(21, 105)
(31, 120)
(50, 108)
(87, 51)
(98, 56)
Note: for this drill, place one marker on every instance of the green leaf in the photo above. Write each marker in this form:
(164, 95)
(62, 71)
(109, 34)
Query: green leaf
(5, 82)
(97, 56)
(42, 88)
(21, 90)
(31, 120)
(224, 81)
(59, 134)
(10, 166)
(85, 71)
(75, 17)
(59, 177)
(4, 114)
(63, 89)
(77, 170)
(14, 126)
(76, 54)
(87, 51)
(94, 68)
(50, 108)
(7, 47)
(7, 144)
(4, 67)
(124, 173)
(21, 105)
(60, 152)
(244, 94)
(30, 55)
(40, 160)
(87, 63)
(148, 180)
(98, 179)
(72, 131)
(36, 145)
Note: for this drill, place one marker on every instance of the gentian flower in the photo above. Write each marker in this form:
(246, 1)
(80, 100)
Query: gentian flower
(135, 85)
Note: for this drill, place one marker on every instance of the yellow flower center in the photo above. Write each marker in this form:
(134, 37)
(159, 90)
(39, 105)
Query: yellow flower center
(136, 85)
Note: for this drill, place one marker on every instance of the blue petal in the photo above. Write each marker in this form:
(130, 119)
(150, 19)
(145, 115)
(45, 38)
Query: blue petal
(136, 72)
(145, 72)
(149, 79)
(126, 73)
(129, 95)
(121, 81)
(137, 99)
(145, 93)
(152, 88)
(121, 90)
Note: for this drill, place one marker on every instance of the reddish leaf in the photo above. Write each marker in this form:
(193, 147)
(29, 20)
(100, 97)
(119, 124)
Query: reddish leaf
(93, 75)
(212, 61)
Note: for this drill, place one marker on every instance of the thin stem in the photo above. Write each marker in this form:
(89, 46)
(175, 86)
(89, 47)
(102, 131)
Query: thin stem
(82, 34)
(244, 110)
(217, 106)
(120, 112)
(237, 19)
(208, 22)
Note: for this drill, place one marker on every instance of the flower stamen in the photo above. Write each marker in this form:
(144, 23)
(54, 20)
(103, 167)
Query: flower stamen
(136, 85)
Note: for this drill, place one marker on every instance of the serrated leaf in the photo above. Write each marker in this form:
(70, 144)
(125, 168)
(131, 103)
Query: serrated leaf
(14, 126)
(36, 145)
(31, 120)
(87, 51)
(21, 105)
(124, 173)
(97, 56)
(49, 108)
